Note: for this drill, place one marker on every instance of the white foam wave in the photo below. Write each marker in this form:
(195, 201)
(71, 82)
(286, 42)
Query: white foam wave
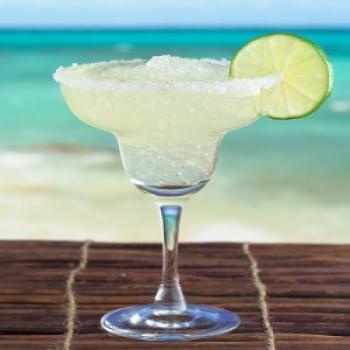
(19, 160)
(230, 231)
(340, 106)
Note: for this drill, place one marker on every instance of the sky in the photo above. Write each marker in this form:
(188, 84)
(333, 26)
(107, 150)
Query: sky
(174, 13)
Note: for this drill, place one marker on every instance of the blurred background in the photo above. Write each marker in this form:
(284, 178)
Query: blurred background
(60, 179)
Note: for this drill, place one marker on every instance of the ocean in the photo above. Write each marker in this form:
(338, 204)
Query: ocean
(276, 181)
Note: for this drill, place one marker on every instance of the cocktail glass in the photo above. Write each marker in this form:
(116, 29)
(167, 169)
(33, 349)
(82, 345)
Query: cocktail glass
(169, 116)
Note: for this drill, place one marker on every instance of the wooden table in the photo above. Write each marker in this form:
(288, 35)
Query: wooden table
(308, 293)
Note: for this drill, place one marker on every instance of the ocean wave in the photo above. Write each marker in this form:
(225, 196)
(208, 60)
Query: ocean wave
(229, 231)
(340, 106)
(19, 160)
(36, 156)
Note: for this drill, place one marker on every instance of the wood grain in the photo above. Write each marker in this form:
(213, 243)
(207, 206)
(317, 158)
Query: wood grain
(308, 293)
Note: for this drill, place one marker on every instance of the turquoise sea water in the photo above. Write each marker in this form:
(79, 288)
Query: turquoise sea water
(63, 179)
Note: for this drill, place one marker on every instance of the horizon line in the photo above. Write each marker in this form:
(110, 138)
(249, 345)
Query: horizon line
(150, 28)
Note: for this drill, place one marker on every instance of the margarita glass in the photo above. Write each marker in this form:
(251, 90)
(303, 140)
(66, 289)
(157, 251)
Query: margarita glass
(169, 115)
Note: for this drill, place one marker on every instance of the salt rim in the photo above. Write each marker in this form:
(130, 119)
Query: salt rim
(231, 86)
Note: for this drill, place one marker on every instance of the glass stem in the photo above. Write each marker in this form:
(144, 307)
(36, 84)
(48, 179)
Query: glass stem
(169, 298)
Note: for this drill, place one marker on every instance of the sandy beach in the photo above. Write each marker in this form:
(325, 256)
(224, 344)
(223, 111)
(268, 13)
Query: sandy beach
(76, 193)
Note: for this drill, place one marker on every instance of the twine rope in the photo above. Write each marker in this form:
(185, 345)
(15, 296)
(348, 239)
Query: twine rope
(262, 296)
(70, 295)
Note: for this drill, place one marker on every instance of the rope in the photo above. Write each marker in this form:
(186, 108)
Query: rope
(70, 295)
(262, 296)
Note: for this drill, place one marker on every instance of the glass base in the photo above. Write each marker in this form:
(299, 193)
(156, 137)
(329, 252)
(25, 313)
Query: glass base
(146, 322)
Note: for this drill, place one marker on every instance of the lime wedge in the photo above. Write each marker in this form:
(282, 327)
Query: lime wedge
(306, 74)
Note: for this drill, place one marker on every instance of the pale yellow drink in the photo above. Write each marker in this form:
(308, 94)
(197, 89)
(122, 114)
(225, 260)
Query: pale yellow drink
(168, 114)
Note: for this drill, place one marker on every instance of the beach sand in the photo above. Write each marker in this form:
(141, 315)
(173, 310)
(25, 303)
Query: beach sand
(75, 193)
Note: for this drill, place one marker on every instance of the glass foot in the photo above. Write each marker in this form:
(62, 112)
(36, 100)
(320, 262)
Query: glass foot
(146, 322)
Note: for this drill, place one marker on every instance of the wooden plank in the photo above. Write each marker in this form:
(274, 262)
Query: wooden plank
(29, 342)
